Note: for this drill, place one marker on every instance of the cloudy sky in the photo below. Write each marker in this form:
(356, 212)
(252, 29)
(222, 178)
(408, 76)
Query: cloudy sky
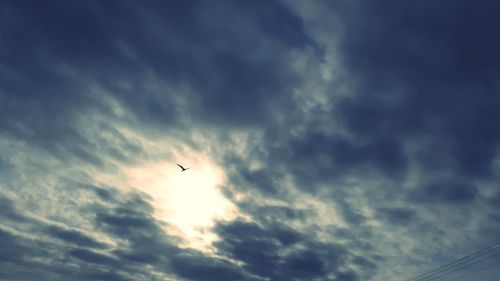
(327, 140)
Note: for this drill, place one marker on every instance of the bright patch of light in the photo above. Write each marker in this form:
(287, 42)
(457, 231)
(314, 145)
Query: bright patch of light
(190, 201)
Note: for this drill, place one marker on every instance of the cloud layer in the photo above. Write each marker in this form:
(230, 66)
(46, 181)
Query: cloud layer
(359, 140)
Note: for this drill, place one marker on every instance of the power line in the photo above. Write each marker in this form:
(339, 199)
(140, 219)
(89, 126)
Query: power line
(450, 266)
(455, 263)
(464, 267)
(476, 271)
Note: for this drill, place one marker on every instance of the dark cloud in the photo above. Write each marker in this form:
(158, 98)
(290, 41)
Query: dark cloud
(268, 251)
(185, 43)
(108, 276)
(360, 117)
(275, 213)
(264, 180)
(137, 256)
(347, 276)
(350, 213)
(93, 257)
(9, 211)
(495, 200)
(397, 216)
(12, 251)
(22, 259)
(75, 237)
(196, 267)
(305, 264)
(420, 70)
(247, 243)
(445, 191)
(319, 157)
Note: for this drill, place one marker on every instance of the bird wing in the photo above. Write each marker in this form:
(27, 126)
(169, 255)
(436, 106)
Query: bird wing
(180, 166)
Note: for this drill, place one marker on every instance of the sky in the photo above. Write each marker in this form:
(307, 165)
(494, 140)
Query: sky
(326, 140)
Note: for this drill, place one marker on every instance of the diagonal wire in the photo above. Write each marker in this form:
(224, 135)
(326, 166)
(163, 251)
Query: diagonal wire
(476, 271)
(455, 263)
(464, 267)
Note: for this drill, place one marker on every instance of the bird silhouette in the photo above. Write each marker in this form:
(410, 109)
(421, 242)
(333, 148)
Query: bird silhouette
(183, 169)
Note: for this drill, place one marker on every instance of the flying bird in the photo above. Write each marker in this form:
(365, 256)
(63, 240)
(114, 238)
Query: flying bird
(183, 169)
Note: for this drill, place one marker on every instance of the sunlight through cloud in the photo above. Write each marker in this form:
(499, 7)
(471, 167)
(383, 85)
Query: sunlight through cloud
(190, 201)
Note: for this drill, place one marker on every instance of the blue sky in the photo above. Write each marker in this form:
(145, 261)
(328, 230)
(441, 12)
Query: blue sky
(327, 140)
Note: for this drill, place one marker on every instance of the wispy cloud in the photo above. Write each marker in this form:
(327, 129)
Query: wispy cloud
(329, 141)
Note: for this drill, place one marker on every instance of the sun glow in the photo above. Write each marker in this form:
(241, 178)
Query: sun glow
(190, 201)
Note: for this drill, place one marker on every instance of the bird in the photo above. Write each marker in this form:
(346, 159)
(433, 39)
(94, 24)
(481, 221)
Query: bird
(183, 169)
